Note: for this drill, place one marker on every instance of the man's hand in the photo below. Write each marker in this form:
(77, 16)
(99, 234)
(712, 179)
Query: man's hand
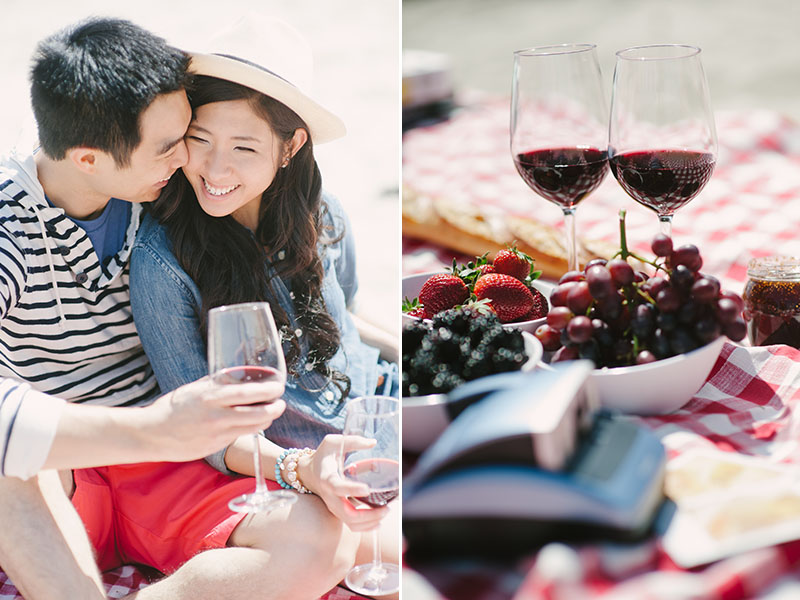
(199, 418)
(190, 423)
(320, 474)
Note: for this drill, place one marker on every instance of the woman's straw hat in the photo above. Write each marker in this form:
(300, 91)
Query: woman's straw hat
(269, 56)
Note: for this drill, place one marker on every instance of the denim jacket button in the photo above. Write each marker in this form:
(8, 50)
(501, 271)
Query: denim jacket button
(81, 278)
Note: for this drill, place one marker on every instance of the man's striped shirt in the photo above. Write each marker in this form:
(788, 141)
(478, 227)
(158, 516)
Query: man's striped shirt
(66, 326)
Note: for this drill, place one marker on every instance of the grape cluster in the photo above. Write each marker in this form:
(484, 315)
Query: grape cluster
(615, 316)
(460, 344)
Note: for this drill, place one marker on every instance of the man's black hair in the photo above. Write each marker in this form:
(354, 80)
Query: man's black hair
(91, 82)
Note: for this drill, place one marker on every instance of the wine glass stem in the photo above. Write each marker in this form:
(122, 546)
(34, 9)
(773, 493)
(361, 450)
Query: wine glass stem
(377, 571)
(261, 485)
(666, 224)
(572, 245)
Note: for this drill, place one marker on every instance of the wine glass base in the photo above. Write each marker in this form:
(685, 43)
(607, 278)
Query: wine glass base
(254, 503)
(363, 580)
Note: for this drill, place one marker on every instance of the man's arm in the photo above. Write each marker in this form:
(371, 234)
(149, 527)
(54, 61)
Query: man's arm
(38, 431)
(189, 423)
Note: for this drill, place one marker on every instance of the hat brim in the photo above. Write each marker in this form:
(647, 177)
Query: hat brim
(323, 125)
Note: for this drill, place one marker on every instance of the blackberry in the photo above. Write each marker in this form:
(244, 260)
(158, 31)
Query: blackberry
(445, 380)
(463, 344)
(456, 320)
(505, 359)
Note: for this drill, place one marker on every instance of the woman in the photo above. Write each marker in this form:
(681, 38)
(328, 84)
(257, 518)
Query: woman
(247, 220)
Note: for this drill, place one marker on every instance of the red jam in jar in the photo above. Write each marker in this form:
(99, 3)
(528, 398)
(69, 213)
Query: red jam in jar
(772, 301)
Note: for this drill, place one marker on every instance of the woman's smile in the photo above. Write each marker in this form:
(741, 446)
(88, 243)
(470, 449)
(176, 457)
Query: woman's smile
(218, 190)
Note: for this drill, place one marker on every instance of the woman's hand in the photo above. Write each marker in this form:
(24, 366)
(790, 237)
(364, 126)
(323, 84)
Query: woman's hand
(319, 472)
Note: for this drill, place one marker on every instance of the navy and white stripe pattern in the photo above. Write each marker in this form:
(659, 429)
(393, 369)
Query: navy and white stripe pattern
(90, 354)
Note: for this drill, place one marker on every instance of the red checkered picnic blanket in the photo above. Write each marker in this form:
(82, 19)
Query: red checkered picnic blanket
(748, 405)
(121, 582)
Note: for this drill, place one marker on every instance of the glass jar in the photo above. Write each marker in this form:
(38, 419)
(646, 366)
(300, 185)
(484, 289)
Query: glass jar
(772, 301)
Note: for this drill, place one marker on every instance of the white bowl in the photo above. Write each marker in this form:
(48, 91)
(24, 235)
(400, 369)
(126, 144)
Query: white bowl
(659, 387)
(412, 284)
(425, 417)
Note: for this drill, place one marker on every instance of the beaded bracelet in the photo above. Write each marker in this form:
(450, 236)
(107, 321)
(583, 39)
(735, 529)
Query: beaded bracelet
(287, 462)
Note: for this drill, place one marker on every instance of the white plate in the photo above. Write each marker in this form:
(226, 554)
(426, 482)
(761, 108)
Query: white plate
(425, 417)
(656, 388)
(412, 284)
(659, 387)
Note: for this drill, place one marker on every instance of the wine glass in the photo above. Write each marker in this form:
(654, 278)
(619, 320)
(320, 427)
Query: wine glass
(378, 418)
(559, 127)
(662, 140)
(244, 347)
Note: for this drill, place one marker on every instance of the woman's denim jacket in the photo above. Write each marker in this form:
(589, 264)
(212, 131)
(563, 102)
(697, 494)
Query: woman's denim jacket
(166, 302)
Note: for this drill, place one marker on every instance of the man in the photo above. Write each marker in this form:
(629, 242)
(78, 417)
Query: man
(111, 108)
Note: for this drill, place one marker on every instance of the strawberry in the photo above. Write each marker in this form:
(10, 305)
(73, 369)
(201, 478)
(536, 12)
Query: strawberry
(442, 291)
(510, 298)
(513, 262)
(486, 269)
(539, 308)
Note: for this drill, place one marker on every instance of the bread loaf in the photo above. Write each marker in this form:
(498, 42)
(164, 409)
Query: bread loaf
(467, 229)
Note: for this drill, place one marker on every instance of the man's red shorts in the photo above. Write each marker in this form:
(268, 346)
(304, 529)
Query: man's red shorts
(157, 514)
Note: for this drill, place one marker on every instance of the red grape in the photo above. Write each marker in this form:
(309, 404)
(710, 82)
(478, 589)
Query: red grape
(571, 276)
(727, 310)
(682, 277)
(599, 280)
(621, 272)
(704, 290)
(661, 245)
(550, 337)
(735, 330)
(580, 329)
(579, 298)
(668, 300)
(558, 297)
(559, 316)
(733, 296)
(644, 357)
(601, 262)
(707, 329)
(688, 255)
(654, 285)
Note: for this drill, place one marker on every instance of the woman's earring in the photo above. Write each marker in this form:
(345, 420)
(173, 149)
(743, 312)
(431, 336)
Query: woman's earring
(285, 163)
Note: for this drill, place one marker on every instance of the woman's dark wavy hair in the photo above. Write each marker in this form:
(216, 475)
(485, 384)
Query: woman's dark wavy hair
(229, 263)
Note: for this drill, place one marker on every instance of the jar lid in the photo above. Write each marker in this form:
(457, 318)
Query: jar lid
(774, 268)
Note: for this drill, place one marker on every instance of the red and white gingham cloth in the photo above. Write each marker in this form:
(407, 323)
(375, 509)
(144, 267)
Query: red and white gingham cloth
(750, 404)
(124, 580)
(751, 401)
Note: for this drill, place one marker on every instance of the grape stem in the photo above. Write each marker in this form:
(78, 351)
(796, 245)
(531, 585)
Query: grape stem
(624, 253)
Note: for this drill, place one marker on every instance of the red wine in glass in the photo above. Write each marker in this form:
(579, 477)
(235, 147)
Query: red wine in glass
(559, 127)
(564, 176)
(662, 140)
(252, 374)
(248, 374)
(663, 180)
(382, 475)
